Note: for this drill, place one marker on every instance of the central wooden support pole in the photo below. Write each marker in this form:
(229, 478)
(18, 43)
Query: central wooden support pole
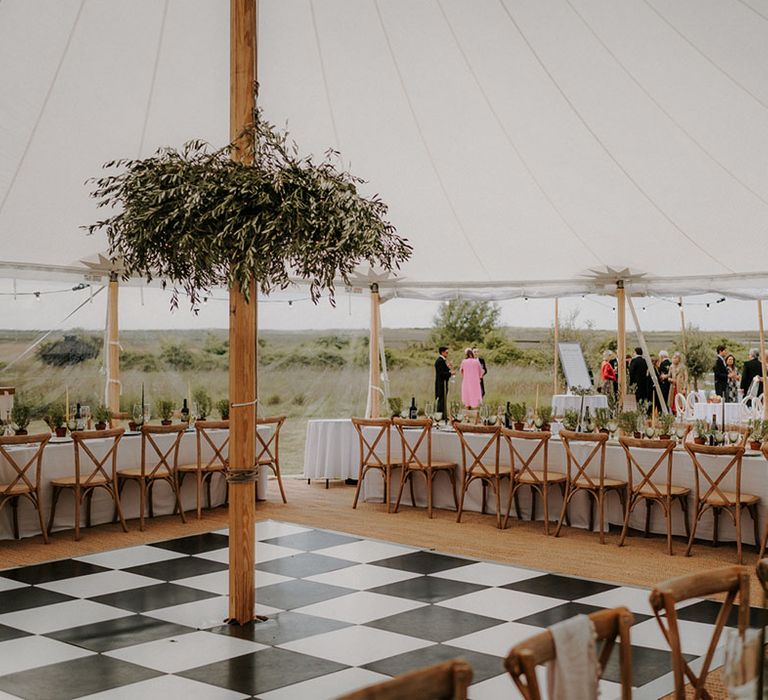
(684, 339)
(556, 380)
(621, 342)
(242, 340)
(113, 346)
(762, 357)
(374, 383)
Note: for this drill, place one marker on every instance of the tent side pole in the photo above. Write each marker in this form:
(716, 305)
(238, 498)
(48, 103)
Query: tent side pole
(621, 342)
(242, 340)
(762, 357)
(556, 383)
(647, 355)
(374, 383)
(113, 346)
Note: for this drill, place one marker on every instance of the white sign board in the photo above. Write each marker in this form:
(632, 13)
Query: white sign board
(574, 365)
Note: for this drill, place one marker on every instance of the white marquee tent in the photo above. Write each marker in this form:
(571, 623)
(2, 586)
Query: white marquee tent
(526, 147)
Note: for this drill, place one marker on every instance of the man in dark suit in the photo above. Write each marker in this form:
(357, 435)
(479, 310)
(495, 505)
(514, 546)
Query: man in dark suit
(638, 375)
(752, 368)
(442, 375)
(664, 364)
(720, 371)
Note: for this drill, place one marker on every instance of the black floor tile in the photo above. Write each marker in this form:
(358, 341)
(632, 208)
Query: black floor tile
(303, 565)
(647, 665)
(563, 587)
(195, 544)
(298, 593)
(8, 633)
(435, 623)
(545, 618)
(708, 610)
(52, 571)
(262, 671)
(173, 569)
(423, 562)
(281, 628)
(119, 633)
(312, 540)
(23, 598)
(484, 666)
(73, 679)
(162, 595)
(427, 589)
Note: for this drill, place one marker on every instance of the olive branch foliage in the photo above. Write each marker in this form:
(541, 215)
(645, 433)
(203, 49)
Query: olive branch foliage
(198, 218)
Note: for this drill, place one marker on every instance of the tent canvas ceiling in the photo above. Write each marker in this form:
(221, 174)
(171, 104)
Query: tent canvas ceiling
(516, 141)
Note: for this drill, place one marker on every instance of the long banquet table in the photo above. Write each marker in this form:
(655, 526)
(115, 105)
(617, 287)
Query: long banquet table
(446, 446)
(58, 461)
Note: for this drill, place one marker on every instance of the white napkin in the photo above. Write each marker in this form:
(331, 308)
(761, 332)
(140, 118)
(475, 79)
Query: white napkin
(574, 672)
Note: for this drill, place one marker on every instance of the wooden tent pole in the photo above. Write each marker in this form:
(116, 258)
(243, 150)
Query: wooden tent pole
(113, 346)
(762, 357)
(556, 382)
(242, 339)
(621, 342)
(684, 339)
(374, 384)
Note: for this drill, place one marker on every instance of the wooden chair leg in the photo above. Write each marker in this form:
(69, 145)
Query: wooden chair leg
(118, 507)
(173, 481)
(452, 477)
(464, 485)
(54, 499)
(280, 481)
(716, 527)
(404, 475)
(413, 497)
(199, 479)
(388, 487)
(151, 498)
(497, 490)
(518, 512)
(738, 533)
(591, 499)
(563, 509)
(142, 498)
(668, 515)
(697, 514)
(754, 514)
(648, 505)
(625, 526)
(686, 519)
(563, 489)
(15, 509)
(429, 476)
(88, 501)
(485, 493)
(78, 496)
(601, 514)
(545, 499)
(360, 478)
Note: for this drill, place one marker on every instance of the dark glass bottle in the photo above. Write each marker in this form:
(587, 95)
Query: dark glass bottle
(507, 417)
(413, 412)
(185, 412)
(79, 422)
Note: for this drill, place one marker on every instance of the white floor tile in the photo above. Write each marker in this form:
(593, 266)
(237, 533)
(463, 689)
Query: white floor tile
(501, 603)
(363, 576)
(99, 584)
(169, 687)
(264, 552)
(7, 696)
(59, 616)
(694, 636)
(365, 551)
(359, 608)
(31, 652)
(327, 687)
(356, 646)
(203, 614)
(186, 651)
(218, 581)
(635, 599)
(487, 574)
(7, 584)
(267, 529)
(130, 556)
(497, 688)
(497, 640)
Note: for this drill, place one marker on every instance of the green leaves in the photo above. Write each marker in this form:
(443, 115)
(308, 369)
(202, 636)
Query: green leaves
(198, 219)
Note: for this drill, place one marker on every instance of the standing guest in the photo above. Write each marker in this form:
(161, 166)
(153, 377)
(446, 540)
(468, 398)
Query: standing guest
(615, 365)
(664, 364)
(720, 371)
(678, 379)
(608, 374)
(638, 372)
(732, 387)
(481, 360)
(471, 374)
(752, 368)
(653, 397)
(443, 373)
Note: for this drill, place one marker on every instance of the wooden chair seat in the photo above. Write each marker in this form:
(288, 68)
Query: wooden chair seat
(435, 465)
(730, 498)
(648, 491)
(503, 470)
(136, 473)
(191, 468)
(534, 476)
(584, 483)
(15, 489)
(71, 480)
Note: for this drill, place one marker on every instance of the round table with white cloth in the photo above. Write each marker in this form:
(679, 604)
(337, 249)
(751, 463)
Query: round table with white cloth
(331, 450)
(572, 402)
(734, 412)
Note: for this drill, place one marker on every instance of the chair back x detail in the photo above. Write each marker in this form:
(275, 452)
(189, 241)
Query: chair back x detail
(268, 451)
(369, 456)
(215, 461)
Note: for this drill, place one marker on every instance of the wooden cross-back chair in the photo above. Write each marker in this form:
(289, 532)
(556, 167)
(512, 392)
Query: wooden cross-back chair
(370, 459)
(24, 478)
(426, 466)
(204, 468)
(155, 466)
(648, 489)
(711, 495)
(446, 681)
(91, 473)
(268, 451)
(733, 581)
(610, 625)
(578, 478)
(539, 480)
(480, 462)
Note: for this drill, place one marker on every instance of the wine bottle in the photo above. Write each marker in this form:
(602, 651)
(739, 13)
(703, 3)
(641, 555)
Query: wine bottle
(713, 429)
(79, 422)
(507, 417)
(413, 412)
(587, 423)
(185, 412)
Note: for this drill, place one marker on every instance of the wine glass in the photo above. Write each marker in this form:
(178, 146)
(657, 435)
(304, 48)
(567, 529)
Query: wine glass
(529, 418)
(138, 415)
(538, 421)
(485, 412)
(680, 432)
(612, 426)
(734, 436)
(650, 432)
(429, 408)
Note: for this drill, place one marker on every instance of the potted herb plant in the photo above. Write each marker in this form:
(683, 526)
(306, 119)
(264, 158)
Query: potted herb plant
(395, 406)
(222, 406)
(543, 417)
(21, 415)
(571, 420)
(518, 412)
(757, 430)
(665, 422)
(600, 419)
(56, 420)
(101, 416)
(627, 422)
(700, 432)
(164, 408)
(204, 404)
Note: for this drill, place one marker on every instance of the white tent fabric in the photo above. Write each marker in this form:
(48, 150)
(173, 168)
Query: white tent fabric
(526, 147)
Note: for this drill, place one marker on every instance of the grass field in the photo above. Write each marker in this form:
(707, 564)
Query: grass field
(302, 374)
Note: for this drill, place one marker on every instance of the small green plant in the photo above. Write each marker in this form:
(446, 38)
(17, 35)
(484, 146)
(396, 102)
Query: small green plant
(627, 421)
(758, 430)
(203, 400)
(395, 405)
(601, 418)
(571, 420)
(222, 406)
(21, 413)
(544, 413)
(665, 421)
(101, 414)
(273, 399)
(518, 411)
(700, 429)
(55, 417)
(165, 408)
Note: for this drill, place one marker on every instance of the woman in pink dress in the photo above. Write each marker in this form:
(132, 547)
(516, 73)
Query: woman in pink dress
(471, 373)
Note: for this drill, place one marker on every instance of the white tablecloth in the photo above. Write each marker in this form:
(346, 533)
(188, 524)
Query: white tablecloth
(569, 402)
(59, 460)
(734, 412)
(446, 446)
(331, 450)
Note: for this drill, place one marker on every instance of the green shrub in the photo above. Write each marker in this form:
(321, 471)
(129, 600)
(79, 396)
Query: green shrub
(203, 400)
(165, 408)
(273, 399)
(70, 350)
(299, 400)
(222, 406)
(142, 361)
(177, 357)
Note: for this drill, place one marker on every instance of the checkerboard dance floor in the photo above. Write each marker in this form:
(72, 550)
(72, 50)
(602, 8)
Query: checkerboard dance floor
(146, 622)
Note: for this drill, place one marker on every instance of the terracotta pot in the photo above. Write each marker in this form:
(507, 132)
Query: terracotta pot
(699, 440)
(519, 426)
(605, 431)
(165, 422)
(101, 426)
(545, 428)
(664, 437)
(637, 435)
(21, 431)
(61, 431)
(132, 426)
(755, 444)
